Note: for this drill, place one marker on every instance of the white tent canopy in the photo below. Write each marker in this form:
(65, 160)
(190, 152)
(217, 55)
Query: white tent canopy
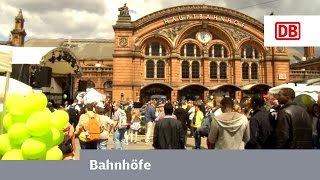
(93, 95)
(27, 55)
(15, 87)
(5, 59)
(311, 90)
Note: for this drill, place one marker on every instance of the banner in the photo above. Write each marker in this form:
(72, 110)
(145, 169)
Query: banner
(166, 165)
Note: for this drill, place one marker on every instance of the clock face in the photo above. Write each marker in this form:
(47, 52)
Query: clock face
(204, 36)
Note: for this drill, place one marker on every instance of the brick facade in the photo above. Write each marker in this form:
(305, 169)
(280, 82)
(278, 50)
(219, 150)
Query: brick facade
(175, 28)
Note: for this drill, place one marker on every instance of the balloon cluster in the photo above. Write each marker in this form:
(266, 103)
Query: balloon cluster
(32, 132)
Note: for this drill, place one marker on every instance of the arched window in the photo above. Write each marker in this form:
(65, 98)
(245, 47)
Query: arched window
(223, 70)
(91, 84)
(107, 84)
(213, 70)
(245, 71)
(190, 50)
(217, 50)
(150, 69)
(155, 49)
(254, 71)
(160, 69)
(185, 69)
(249, 52)
(195, 69)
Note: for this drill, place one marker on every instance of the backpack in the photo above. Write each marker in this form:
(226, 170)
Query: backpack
(93, 129)
(122, 123)
(73, 114)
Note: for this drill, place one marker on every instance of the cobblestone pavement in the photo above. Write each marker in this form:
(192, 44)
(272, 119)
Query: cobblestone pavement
(141, 145)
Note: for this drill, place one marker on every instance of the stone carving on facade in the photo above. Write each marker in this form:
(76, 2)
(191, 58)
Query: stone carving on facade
(123, 42)
(236, 33)
(269, 50)
(280, 50)
(171, 32)
(124, 11)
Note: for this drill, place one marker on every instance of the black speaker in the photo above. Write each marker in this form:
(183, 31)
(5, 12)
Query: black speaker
(82, 86)
(42, 77)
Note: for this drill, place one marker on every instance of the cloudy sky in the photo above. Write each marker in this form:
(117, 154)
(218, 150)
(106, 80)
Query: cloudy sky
(94, 18)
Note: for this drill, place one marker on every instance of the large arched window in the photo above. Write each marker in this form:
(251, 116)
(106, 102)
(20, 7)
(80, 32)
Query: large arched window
(160, 69)
(213, 70)
(223, 70)
(185, 69)
(150, 69)
(254, 71)
(195, 69)
(155, 49)
(245, 71)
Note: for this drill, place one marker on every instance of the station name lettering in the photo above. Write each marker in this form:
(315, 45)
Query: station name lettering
(203, 16)
(134, 165)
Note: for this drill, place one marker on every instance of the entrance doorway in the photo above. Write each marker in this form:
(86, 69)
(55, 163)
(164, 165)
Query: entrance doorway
(155, 89)
(192, 92)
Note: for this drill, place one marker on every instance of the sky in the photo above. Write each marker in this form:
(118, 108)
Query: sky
(93, 19)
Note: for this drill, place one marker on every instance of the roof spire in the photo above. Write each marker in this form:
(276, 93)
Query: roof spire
(19, 16)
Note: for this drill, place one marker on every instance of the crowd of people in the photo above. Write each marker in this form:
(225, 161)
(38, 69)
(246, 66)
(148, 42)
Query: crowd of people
(253, 123)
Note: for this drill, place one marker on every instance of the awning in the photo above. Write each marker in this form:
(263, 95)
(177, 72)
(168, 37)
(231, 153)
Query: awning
(249, 86)
(231, 86)
(188, 85)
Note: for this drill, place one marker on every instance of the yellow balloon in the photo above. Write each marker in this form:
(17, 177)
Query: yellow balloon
(4, 144)
(37, 101)
(7, 122)
(39, 123)
(57, 136)
(33, 149)
(19, 116)
(54, 153)
(18, 133)
(14, 154)
(60, 119)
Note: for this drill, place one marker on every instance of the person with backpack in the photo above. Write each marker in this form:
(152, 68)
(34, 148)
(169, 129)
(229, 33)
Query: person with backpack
(74, 113)
(88, 128)
(120, 127)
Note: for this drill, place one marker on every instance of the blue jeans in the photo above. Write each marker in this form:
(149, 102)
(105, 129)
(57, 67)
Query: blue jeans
(198, 133)
(119, 139)
(102, 144)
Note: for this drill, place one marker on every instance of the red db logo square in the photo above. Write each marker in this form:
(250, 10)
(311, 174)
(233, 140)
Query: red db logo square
(287, 30)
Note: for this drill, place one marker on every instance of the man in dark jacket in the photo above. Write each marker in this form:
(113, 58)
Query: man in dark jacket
(168, 133)
(183, 117)
(260, 125)
(294, 126)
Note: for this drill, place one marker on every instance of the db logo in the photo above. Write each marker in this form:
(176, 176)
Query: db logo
(287, 30)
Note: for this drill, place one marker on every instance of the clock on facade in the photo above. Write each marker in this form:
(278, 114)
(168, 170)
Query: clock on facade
(204, 36)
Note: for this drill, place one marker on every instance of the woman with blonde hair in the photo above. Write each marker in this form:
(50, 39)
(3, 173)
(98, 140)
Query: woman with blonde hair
(134, 127)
